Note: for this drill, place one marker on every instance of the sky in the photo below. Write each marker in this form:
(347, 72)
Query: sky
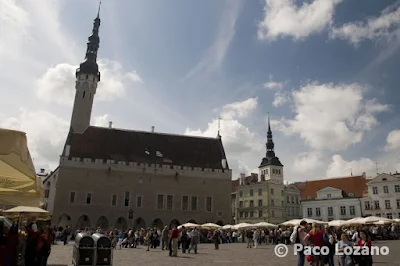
(325, 70)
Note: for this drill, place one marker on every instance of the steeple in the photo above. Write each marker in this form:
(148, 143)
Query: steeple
(270, 158)
(89, 65)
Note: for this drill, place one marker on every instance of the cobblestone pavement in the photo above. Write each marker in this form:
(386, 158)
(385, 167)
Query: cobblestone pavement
(236, 254)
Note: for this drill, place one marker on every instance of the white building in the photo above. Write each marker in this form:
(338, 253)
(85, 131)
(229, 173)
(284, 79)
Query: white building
(332, 199)
(383, 199)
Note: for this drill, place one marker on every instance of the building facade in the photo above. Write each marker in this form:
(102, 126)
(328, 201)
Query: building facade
(383, 197)
(261, 197)
(332, 199)
(292, 202)
(132, 179)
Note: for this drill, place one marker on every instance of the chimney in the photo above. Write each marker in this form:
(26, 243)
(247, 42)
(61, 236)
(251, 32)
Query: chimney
(152, 129)
(42, 170)
(110, 124)
(242, 179)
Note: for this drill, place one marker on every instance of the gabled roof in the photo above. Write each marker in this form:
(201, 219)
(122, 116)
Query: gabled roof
(384, 177)
(147, 147)
(251, 179)
(352, 184)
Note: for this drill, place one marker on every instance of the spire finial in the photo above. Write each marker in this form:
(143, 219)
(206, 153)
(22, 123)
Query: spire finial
(98, 11)
(269, 124)
(219, 126)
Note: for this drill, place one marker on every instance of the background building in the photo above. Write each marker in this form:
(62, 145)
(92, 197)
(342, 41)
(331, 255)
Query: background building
(383, 197)
(332, 199)
(292, 202)
(122, 178)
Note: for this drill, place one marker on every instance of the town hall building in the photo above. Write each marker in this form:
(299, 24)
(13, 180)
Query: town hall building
(118, 178)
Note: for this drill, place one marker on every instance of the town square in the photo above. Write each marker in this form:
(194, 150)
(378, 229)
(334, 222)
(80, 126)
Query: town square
(199, 132)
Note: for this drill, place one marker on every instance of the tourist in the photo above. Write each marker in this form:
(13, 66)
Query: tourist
(329, 241)
(174, 242)
(344, 260)
(194, 240)
(316, 237)
(31, 242)
(364, 260)
(43, 247)
(216, 239)
(164, 238)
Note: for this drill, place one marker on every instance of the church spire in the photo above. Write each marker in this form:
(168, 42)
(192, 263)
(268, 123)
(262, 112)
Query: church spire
(270, 143)
(89, 65)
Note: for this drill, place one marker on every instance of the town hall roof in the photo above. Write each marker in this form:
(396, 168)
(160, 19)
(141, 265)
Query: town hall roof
(351, 184)
(148, 147)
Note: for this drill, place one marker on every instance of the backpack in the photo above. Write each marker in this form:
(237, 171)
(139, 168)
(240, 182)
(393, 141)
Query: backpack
(294, 237)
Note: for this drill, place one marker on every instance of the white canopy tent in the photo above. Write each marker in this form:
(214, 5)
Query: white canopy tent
(336, 223)
(19, 184)
(189, 225)
(210, 226)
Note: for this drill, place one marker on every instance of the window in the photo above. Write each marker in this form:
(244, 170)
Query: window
(330, 211)
(170, 202)
(309, 212)
(209, 204)
(318, 211)
(389, 216)
(292, 198)
(385, 189)
(114, 200)
(297, 200)
(272, 213)
(240, 204)
(283, 203)
(374, 190)
(259, 192)
(378, 215)
(72, 197)
(251, 214)
(352, 210)
(259, 203)
(88, 198)
(351, 195)
(272, 203)
(251, 193)
(329, 195)
(287, 199)
(260, 214)
(282, 193)
(160, 202)
(266, 171)
(185, 203)
(397, 188)
(272, 191)
(343, 210)
(376, 203)
(127, 196)
(398, 203)
(241, 193)
(139, 201)
(46, 193)
(83, 95)
(387, 204)
(241, 214)
(246, 214)
(194, 203)
(251, 203)
(367, 205)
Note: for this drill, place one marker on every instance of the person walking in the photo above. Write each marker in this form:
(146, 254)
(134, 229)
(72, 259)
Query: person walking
(194, 240)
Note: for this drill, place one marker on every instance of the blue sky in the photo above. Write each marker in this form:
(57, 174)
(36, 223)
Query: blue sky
(325, 70)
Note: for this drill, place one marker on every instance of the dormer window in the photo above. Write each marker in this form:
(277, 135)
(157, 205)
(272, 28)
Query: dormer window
(351, 195)
(329, 196)
(384, 179)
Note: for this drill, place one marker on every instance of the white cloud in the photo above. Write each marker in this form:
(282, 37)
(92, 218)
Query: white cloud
(46, 134)
(385, 26)
(239, 142)
(56, 85)
(102, 121)
(239, 109)
(307, 162)
(330, 116)
(280, 96)
(286, 18)
(340, 167)
(215, 54)
(393, 140)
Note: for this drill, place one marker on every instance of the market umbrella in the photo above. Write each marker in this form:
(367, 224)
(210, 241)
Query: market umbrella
(241, 226)
(26, 209)
(210, 226)
(19, 184)
(336, 223)
(189, 225)
(265, 225)
(227, 227)
(292, 222)
(373, 219)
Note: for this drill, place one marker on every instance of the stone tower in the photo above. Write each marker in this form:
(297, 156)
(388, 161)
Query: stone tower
(87, 77)
(271, 167)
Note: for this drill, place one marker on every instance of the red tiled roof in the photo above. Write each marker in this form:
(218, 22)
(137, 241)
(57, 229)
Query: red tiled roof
(131, 146)
(353, 184)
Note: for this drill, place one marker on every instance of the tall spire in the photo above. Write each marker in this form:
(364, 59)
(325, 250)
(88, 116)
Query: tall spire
(270, 143)
(89, 65)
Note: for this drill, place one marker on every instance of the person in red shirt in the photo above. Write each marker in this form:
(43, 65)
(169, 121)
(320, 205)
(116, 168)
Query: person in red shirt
(316, 237)
(364, 260)
(174, 242)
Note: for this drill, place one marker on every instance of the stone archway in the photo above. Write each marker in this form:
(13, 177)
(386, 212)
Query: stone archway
(173, 223)
(64, 221)
(192, 221)
(157, 223)
(83, 222)
(102, 222)
(121, 223)
(220, 223)
(139, 223)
